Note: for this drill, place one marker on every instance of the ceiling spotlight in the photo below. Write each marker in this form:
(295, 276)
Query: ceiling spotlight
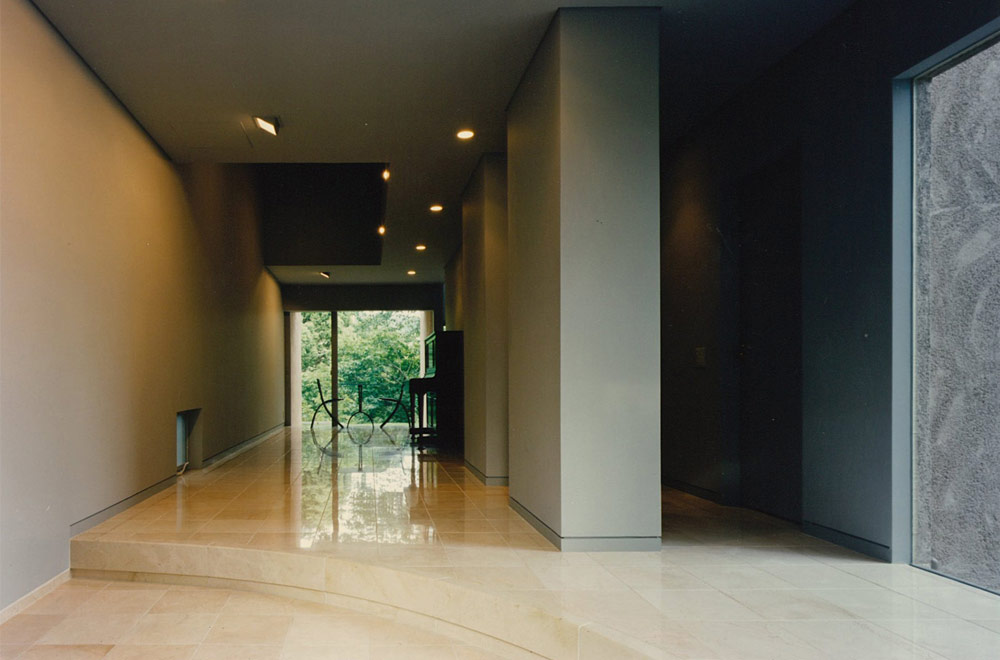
(464, 134)
(411, 272)
(436, 208)
(268, 125)
(421, 248)
(385, 174)
(381, 230)
(325, 274)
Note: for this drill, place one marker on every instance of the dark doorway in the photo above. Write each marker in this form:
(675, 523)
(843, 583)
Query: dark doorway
(769, 228)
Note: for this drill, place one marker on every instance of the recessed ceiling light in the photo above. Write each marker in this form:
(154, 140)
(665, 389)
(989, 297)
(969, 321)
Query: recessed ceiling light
(381, 230)
(464, 134)
(436, 208)
(385, 174)
(325, 274)
(269, 125)
(421, 248)
(411, 272)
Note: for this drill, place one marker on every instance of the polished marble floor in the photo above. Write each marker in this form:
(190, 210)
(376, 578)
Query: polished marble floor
(142, 621)
(727, 583)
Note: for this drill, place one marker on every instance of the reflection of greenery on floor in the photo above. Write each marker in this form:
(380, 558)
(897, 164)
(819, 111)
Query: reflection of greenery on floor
(380, 350)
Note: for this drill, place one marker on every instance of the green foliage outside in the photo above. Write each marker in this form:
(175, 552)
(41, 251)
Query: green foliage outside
(315, 361)
(380, 350)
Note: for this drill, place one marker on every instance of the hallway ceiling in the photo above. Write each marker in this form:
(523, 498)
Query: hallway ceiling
(368, 81)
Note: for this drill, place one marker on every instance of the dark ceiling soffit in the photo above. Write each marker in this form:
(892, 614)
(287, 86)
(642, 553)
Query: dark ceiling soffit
(100, 81)
(356, 297)
(321, 214)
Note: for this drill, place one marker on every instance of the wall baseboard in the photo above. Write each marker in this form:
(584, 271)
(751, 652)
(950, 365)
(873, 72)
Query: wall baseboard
(691, 489)
(95, 519)
(28, 599)
(234, 451)
(487, 481)
(849, 541)
(588, 543)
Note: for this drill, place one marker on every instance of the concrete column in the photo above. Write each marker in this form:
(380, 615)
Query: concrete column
(484, 245)
(583, 248)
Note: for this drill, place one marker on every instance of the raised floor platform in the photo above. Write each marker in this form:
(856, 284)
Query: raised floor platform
(378, 528)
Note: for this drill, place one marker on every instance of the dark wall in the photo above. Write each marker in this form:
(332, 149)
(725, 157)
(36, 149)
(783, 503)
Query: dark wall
(833, 97)
(348, 297)
(321, 214)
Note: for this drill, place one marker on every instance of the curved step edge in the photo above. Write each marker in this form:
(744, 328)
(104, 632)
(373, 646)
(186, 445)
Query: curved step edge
(355, 584)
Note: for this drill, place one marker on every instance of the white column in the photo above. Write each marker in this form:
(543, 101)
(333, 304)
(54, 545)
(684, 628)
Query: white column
(583, 203)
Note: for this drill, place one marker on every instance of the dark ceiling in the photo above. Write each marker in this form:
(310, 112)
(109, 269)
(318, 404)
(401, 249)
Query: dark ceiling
(373, 82)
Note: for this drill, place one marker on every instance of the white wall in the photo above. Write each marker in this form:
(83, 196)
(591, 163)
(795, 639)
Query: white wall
(583, 199)
(129, 291)
(484, 249)
(533, 205)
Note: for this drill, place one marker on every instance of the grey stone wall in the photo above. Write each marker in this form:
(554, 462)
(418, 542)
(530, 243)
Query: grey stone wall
(957, 321)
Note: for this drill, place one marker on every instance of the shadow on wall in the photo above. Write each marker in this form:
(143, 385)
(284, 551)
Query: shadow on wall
(691, 452)
(225, 212)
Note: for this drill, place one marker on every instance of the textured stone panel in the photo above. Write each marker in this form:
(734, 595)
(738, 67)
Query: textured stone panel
(957, 321)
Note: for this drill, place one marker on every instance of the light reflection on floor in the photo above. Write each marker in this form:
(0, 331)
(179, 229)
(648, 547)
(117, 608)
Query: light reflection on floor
(727, 583)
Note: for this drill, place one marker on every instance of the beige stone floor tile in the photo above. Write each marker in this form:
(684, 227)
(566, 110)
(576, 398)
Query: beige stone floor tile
(993, 625)
(62, 601)
(249, 629)
(151, 652)
(219, 538)
(244, 602)
(116, 601)
(676, 640)
(700, 605)
(474, 653)
(325, 630)
(90, 629)
(465, 525)
(497, 578)
(811, 576)
(191, 601)
(880, 604)
(115, 585)
(577, 577)
(785, 604)
(736, 576)
(483, 556)
(660, 577)
(438, 652)
(163, 629)
(11, 651)
(898, 577)
(334, 652)
(473, 539)
(960, 600)
(239, 652)
(952, 639)
(386, 633)
(66, 652)
(752, 640)
(858, 640)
